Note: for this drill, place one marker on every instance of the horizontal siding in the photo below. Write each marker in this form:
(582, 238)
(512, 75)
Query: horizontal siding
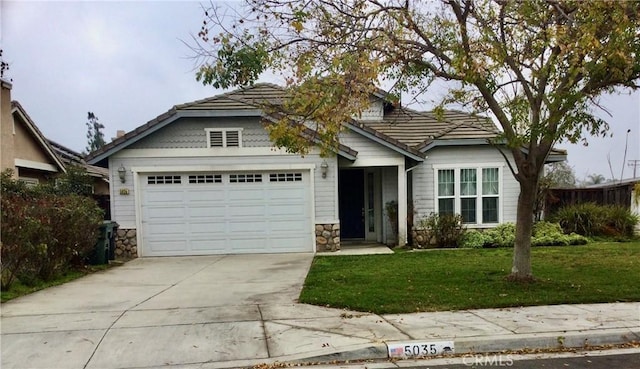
(367, 149)
(189, 133)
(124, 205)
(423, 177)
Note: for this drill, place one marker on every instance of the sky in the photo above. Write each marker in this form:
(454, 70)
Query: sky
(127, 62)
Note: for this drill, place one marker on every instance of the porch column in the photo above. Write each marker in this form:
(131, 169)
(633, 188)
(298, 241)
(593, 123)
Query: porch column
(402, 206)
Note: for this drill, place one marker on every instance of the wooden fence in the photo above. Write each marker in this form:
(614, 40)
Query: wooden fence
(615, 194)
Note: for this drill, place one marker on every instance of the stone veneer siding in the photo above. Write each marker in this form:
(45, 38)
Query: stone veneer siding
(126, 244)
(420, 238)
(327, 237)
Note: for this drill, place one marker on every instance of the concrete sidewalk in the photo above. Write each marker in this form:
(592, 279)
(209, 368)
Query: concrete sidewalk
(240, 311)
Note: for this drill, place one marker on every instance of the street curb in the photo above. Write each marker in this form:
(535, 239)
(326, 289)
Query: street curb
(470, 345)
(541, 341)
(372, 352)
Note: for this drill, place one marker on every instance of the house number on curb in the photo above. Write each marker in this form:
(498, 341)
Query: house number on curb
(405, 350)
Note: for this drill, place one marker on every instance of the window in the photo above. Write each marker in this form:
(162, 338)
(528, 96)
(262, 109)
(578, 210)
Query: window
(224, 137)
(490, 195)
(164, 179)
(205, 178)
(285, 177)
(474, 193)
(29, 182)
(245, 178)
(446, 191)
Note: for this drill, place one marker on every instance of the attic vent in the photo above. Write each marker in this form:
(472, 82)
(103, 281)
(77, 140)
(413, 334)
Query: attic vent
(233, 138)
(224, 137)
(215, 139)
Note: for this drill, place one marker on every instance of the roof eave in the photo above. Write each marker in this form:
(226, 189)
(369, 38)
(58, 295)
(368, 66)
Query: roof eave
(17, 108)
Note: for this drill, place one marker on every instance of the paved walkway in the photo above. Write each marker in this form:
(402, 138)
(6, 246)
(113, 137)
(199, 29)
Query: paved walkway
(237, 311)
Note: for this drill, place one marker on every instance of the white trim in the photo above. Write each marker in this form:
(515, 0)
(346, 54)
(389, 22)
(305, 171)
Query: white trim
(469, 166)
(203, 152)
(456, 193)
(222, 168)
(402, 206)
(376, 162)
(312, 208)
(137, 197)
(23, 163)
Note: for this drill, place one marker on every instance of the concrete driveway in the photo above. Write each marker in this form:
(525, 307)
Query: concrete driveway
(157, 311)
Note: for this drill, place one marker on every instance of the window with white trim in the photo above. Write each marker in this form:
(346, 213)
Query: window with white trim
(169, 179)
(205, 178)
(285, 177)
(245, 178)
(474, 193)
(224, 137)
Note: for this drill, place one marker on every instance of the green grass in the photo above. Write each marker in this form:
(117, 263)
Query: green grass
(18, 289)
(474, 278)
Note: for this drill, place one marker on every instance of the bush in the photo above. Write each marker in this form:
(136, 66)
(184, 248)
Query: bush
(472, 239)
(503, 235)
(590, 219)
(44, 234)
(445, 229)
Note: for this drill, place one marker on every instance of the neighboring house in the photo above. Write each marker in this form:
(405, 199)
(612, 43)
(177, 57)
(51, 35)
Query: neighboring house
(204, 178)
(99, 175)
(23, 147)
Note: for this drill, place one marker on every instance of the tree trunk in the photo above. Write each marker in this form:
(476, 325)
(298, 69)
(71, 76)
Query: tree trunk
(521, 270)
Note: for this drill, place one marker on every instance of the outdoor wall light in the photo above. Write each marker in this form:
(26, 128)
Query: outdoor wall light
(122, 173)
(324, 168)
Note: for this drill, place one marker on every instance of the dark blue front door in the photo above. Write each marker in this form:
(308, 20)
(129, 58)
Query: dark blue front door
(351, 202)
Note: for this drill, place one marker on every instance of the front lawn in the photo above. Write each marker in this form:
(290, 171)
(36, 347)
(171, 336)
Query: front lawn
(474, 278)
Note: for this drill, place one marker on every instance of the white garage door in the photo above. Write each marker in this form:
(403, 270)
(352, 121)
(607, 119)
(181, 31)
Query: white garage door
(225, 213)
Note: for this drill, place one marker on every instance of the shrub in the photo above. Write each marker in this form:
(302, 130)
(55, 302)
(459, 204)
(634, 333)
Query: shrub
(590, 219)
(472, 239)
(503, 235)
(445, 229)
(44, 234)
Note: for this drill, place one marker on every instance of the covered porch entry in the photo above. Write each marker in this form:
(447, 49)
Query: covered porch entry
(368, 203)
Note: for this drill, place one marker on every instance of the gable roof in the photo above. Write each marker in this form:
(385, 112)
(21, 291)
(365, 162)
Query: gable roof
(240, 102)
(18, 111)
(71, 157)
(404, 130)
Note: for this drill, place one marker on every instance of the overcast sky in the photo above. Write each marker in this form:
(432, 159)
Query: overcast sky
(126, 62)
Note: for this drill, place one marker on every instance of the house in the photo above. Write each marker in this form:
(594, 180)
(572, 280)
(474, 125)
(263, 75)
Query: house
(99, 175)
(204, 178)
(24, 149)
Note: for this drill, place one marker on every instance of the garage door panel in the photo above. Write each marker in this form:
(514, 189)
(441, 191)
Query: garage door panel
(210, 245)
(246, 211)
(210, 195)
(190, 218)
(247, 226)
(287, 194)
(287, 226)
(160, 196)
(168, 247)
(207, 228)
(164, 212)
(256, 244)
(287, 210)
(216, 211)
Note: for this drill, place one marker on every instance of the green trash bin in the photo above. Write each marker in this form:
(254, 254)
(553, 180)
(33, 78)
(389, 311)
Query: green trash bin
(100, 253)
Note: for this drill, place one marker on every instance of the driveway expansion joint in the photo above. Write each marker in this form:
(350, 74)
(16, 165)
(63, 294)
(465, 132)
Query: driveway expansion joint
(264, 331)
